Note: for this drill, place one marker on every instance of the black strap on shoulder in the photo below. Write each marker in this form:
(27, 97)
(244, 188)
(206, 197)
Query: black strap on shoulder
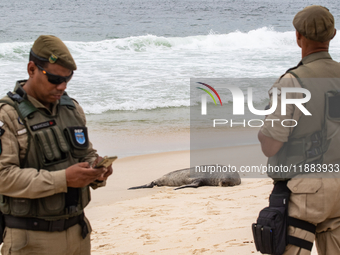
(15, 97)
(66, 100)
(24, 106)
(300, 243)
(291, 69)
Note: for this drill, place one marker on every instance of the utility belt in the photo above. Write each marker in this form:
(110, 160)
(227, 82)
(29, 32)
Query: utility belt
(36, 224)
(270, 230)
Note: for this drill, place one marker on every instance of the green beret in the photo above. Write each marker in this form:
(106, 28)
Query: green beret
(315, 22)
(50, 48)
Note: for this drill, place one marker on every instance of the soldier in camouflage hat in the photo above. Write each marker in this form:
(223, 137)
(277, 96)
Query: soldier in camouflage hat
(46, 159)
(313, 208)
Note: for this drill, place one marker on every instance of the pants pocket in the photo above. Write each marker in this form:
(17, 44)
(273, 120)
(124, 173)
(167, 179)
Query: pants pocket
(307, 199)
(14, 241)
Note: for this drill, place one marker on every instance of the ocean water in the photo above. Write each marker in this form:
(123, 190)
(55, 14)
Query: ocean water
(135, 58)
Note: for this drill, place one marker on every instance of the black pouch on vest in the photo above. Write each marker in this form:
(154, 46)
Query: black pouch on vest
(333, 105)
(270, 230)
(52, 145)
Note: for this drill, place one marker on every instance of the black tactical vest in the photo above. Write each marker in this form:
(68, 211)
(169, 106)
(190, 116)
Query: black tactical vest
(54, 143)
(314, 142)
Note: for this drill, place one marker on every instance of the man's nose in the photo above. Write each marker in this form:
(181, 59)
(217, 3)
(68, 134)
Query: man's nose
(62, 86)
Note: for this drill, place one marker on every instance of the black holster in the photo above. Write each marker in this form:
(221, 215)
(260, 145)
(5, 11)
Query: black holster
(270, 230)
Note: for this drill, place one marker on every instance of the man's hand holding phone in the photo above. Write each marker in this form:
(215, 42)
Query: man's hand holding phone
(106, 163)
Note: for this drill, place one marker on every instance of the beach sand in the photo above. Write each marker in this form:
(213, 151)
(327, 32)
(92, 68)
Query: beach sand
(206, 220)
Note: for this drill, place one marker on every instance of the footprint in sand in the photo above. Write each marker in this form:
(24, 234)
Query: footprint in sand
(199, 251)
(235, 242)
(106, 246)
(194, 223)
(148, 240)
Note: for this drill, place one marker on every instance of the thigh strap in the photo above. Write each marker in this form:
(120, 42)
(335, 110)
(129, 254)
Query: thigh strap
(305, 225)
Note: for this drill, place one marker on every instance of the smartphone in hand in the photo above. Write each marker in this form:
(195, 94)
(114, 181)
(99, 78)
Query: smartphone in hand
(105, 162)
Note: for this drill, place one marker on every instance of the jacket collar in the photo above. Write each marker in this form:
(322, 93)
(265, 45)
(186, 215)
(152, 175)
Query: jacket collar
(315, 56)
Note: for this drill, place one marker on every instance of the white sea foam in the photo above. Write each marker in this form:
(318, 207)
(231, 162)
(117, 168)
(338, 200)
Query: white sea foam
(151, 72)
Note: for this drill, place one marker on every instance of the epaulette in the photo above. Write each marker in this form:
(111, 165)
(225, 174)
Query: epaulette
(290, 69)
(15, 97)
(66, 100)
(25, 107)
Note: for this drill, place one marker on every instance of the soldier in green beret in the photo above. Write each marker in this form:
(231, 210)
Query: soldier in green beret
(312, 146)
(46, 159)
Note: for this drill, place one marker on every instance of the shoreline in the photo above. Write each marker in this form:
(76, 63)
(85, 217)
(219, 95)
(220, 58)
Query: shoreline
(125, 142)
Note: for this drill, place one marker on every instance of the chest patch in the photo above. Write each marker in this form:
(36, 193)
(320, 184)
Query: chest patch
(79, 137)
(42, 125)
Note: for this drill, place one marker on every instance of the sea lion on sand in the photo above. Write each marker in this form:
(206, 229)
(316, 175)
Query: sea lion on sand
(188, 178)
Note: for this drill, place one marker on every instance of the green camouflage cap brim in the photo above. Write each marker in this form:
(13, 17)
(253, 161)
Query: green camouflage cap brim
(51, 49)
(315, 22)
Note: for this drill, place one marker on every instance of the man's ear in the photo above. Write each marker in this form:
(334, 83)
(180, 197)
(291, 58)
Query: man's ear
(298, 38)
(334, 33)
(31, 69)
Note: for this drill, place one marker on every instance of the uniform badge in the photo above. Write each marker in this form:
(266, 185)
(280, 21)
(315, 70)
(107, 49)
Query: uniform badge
(80, 136)
(22, 131)
(45, 124)
(20, 121)
(52, 59)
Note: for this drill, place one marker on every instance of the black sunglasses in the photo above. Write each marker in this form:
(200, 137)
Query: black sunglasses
(55, 79)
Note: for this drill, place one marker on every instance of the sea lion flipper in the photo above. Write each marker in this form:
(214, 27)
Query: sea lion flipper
(191, 185)
(150, 185)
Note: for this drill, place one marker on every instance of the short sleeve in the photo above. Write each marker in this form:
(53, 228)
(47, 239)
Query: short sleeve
(275, 124)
